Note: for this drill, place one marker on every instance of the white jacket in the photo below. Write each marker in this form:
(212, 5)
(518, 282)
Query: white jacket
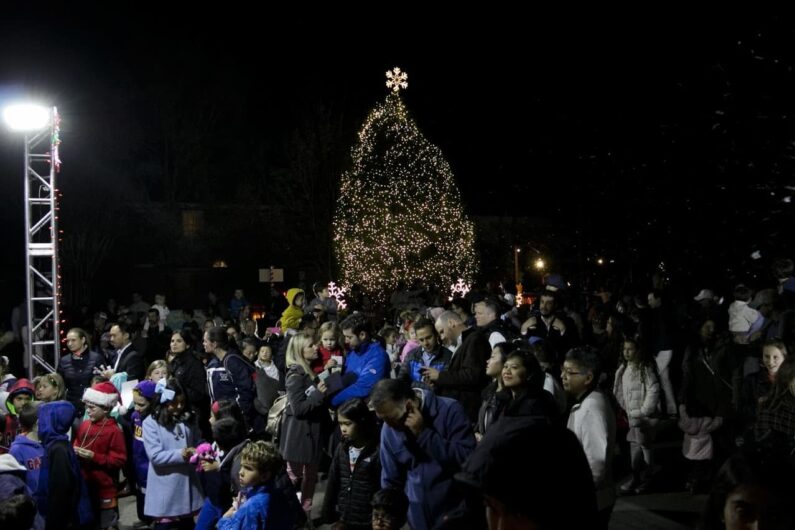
(636, 393)
(697, 443)
(593, 422)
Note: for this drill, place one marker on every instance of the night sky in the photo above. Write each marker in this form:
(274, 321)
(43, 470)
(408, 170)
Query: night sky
(651, 140)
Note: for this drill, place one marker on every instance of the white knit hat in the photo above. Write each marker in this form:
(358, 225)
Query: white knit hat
(102, 394)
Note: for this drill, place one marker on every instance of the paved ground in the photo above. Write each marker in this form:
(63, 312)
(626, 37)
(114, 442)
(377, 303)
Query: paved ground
(658, 511)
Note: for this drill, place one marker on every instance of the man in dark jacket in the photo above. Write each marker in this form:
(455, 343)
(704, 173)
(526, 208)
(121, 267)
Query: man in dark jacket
(429, 356)
(424, 441)
(126, 359)
(465, 376)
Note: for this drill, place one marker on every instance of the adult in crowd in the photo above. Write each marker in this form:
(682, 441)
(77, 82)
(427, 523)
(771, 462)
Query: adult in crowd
(592, 421)
(424, 441)
(77, 367)
(464, 379)
(366, 362)
(125, 358)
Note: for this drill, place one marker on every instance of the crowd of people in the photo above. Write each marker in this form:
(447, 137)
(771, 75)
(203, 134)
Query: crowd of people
(475, 413)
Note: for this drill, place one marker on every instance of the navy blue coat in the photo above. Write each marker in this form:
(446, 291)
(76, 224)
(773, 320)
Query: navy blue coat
(424, 466)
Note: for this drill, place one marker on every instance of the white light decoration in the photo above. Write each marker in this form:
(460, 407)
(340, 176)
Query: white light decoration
(26, 117)
(460, 288)
(337, 293)
(395, 79)
(539, 264)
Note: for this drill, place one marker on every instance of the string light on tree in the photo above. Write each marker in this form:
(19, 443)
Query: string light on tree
(459, 289)
(399, 216)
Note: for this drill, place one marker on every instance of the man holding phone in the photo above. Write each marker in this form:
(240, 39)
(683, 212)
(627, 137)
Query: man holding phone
(424, 442)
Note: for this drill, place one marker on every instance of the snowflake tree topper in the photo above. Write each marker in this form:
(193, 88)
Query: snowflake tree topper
(396, 79)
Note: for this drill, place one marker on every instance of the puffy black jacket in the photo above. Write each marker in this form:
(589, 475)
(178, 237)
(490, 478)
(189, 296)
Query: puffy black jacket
(77, 373)
(348, 493)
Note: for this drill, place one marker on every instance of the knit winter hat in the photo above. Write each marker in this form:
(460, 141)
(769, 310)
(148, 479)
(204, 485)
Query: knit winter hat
(102, 394)
(146, 388)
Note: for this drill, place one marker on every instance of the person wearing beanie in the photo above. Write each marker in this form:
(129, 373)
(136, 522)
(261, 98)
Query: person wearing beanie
(19, 395)
(143, 396)
(99, 445)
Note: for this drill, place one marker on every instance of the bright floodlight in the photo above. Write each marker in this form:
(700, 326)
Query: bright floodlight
(26, 117)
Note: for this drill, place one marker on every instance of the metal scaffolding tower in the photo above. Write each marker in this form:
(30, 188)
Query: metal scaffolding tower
(41, 250)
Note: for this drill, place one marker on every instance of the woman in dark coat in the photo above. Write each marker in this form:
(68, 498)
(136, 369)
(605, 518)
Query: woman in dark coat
(77, 367)
(305, 419)
(186, 368)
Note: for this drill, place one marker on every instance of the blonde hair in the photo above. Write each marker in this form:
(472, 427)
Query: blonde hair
(335, 329)
(160, 363)
(264, 456)
(295, 352)
(54, 379)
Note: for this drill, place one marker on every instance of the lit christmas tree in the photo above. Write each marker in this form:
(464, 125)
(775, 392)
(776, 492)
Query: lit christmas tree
(399, 215)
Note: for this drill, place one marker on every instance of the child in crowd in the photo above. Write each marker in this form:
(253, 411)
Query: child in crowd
(637, 389)
(757, 385)
(695, 422)
(260, 505)
(355, 472)
(291, 316)
(19, 395)
(390, 507)
(7, 379)
(170, 439)
(265, 363)
(26, 447)
(330, 351)
(216, 477)
(62, 497)
(99, 445)
(744, 320)
(389, 335)
(157, 370)
(143, 395)
(50, 387)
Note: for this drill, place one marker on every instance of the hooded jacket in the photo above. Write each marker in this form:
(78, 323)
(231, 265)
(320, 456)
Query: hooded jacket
(29, 453)
(61, 496)
(291, 317)
(11, 421)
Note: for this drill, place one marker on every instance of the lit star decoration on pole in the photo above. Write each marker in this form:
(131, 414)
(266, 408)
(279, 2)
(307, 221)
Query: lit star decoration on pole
(459, 289)
(395, 79)
(399, 216)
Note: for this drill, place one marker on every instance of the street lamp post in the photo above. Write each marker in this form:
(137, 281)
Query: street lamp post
(41, 231)
(516, 276)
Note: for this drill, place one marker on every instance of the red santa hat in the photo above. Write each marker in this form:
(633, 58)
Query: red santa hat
(102, 394)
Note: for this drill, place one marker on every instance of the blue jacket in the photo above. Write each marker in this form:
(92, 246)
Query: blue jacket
(139, 458)
(62, 496)
(370, 363)
(414, 363)
(233, 378)
(265, 508)
(424, 466)
(30, 454)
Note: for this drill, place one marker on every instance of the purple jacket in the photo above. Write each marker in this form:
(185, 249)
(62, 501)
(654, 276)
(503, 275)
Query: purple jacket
(140, 460)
